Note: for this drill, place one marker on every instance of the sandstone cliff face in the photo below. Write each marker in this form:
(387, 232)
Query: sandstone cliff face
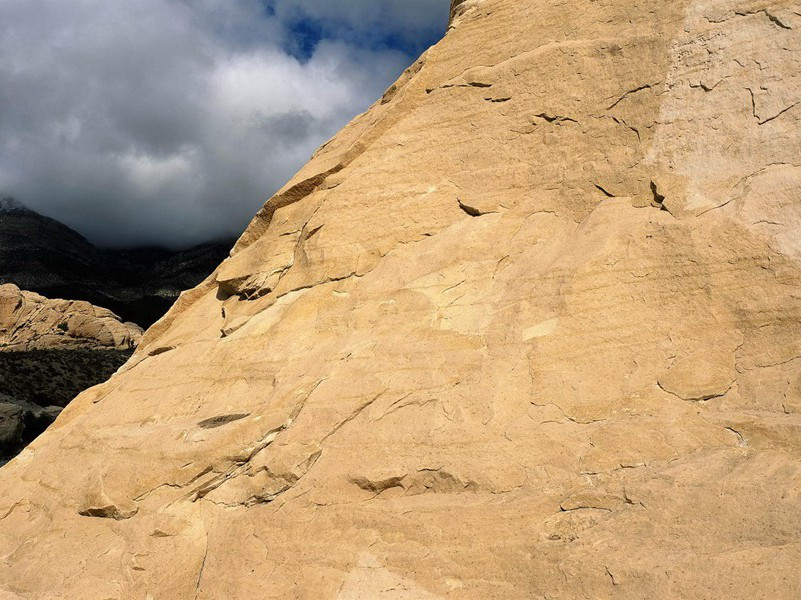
(29, 321)
(528, 328)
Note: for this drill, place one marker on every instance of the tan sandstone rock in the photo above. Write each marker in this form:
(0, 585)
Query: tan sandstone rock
(29, 321)
(528, 328)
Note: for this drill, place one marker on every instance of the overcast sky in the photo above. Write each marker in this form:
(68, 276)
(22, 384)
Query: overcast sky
(172, 121)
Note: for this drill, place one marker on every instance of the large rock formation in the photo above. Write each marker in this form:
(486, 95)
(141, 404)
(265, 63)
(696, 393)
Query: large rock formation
(40, 254)
(29, 321)
(528, 328)
(50, 350)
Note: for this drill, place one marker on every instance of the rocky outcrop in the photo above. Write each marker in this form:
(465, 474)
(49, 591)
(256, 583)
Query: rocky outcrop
(528, 328)
(29, 321)
(51, 350)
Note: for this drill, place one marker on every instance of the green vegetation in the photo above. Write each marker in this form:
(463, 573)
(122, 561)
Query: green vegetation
(54, 377)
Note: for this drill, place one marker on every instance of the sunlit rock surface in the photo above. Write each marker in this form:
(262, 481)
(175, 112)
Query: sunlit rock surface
(528, 328)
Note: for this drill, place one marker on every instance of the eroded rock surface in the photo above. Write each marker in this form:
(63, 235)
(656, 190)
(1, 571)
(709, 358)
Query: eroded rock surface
(29, 321)
(528, 328)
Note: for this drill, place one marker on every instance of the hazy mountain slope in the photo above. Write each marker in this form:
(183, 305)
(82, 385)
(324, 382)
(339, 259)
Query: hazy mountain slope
(529, 328)
(39, 252)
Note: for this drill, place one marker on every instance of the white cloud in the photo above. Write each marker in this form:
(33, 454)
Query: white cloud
(171, 121)
(153, 175)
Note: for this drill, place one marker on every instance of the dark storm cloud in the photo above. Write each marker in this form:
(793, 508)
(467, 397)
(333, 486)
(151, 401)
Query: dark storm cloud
(171, 121)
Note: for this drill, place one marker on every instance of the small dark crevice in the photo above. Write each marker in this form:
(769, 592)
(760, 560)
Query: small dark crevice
(659, 199)
(378, 486)
(741, 441)
(499, 100)
(312, 232)
(470, 210)
(107, 512)
(624, 124)
(753, 103)
(779, 114)
(771, 17)
(162, 350)
(223, 292)
(606, 193)
(701, 85)
(221, 420)
(777, 21)
(255, 294)
(641, 88)
(555, 118)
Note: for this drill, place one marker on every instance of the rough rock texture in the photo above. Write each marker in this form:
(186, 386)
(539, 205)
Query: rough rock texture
(29, 321)
(529, 328)
(40, 254)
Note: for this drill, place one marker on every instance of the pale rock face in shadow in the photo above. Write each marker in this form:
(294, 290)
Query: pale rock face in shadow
(29, 321)
(528, 328)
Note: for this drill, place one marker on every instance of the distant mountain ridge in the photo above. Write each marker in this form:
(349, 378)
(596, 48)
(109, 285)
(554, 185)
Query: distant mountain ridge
(8, 204)
(42, 255)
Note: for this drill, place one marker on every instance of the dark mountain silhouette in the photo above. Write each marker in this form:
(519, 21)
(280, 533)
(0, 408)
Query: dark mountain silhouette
(42, 255)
